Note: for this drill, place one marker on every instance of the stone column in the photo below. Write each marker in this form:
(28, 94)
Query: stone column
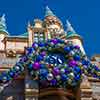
(31, 88)
(86, 91)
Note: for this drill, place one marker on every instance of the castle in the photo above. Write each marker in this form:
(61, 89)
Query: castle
(12, 47)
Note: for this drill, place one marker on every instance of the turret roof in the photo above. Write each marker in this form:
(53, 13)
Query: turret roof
(70, 31)
(48, 12)
(3, 27)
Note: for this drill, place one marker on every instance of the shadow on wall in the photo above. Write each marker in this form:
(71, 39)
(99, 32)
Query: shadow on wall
(14, 91)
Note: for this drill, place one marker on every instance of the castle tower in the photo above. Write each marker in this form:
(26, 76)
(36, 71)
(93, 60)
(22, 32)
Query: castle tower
(74, 37)
(53, 25)
(3, 31)
(36, 32)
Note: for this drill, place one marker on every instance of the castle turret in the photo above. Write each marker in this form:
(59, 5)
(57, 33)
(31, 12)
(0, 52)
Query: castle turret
(52, 24)
(74, 37)
(36, 32)
(3, 31)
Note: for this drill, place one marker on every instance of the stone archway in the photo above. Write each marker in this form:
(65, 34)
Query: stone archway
(60, 94)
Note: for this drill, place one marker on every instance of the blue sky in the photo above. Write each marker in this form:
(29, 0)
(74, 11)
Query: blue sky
(83, 14)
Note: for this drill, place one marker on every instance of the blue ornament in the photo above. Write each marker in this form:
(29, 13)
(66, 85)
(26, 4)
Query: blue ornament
(0, 78)
(64, 77)
(77, 69)
(42, 66)
(11, 73)
(77, 57)
(43, 72)
(71, 47)
(60, 41)
(41, 44)
(39, 58)
(5, 77)
(67, 71)
(85, 62)
(77, 77)
(31, 50)
(67, 49)
(3, 74)
(30, 66)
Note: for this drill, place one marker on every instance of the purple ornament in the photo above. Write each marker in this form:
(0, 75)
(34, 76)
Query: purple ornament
(43, 53)
(56, 71)
(34, 45)
(36, 65)
(53, 82)
(16, 76)
(55, 41)
(97, 68)
(72, 63)
(77, 47)
(24, 59)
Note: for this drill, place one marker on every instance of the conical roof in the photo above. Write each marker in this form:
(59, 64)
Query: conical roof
(3, 27)
(70, 31)
(48, 12)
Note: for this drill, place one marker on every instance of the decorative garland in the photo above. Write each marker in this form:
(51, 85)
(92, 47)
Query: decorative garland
(14, 72)
(68, 73)
(53, 63)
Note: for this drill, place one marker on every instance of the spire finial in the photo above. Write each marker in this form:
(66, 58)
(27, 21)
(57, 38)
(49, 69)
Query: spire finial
(48, 12)
(3, 21)
(69, 27)
(29, 24)
(3, 18)
(3, 26)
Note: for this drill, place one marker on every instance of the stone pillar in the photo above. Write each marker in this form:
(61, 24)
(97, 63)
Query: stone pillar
(77, 93)
(86, 91)
(31, 89)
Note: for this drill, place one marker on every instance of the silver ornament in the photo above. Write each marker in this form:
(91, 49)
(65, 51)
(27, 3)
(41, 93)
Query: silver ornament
(50, 69)
(79, 63)
(4, 79)
(70, 81)
(62, 70)
(60, 61)
(72, 53)
(50, 76)
(84, 66)
(72, 74)
(17, 68)
(58, 77)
